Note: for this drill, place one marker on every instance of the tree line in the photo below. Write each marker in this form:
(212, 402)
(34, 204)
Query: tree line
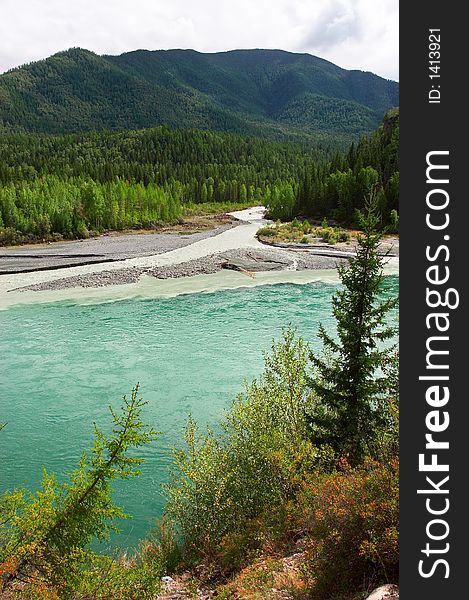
(336, 188)
(73, 208)
(70, 184)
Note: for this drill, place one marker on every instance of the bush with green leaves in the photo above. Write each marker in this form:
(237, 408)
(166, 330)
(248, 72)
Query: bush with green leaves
(332, 235)
(329, 235)
(45, 536)
(223, 480)
(296, 224)
(394, 221)
(111, 578)
(267, 231)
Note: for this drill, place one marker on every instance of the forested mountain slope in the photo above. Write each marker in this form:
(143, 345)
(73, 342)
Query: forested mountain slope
(268, 93)
(67, 184)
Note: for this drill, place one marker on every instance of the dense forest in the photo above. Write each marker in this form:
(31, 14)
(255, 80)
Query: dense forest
(158, 155)
(342, 189)
(265, 93)
(69, 185)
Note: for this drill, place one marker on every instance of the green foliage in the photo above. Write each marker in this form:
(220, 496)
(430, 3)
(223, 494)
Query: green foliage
(295, 232)
(213, 208)
(295, 223)
(44, 536)
(352, 393)
(72, 184)
(394, 221)
(224, 481)
(354, 524)
(260, 482)
(267, 231)
(121, 579)
(9, 236)
(332, 235)
(338, 189)
(221, 161)
(328, 235)
(282, 203)
(267, 93)
(343, 235)
(48, 206)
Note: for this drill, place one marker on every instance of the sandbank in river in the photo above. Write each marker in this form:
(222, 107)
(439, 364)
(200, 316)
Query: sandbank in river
(164, 265)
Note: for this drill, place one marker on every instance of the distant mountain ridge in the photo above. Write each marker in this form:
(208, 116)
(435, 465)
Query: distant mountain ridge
(267, 93)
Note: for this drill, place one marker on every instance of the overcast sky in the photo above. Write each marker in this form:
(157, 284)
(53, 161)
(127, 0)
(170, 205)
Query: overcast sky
(354, 34)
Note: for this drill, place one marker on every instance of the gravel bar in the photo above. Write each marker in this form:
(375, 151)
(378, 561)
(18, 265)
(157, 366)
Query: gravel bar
(296, 261)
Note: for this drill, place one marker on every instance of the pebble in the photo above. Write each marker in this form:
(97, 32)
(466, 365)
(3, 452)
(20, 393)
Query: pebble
(295, 260)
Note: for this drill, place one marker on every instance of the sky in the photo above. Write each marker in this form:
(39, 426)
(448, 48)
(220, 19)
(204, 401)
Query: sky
(354, 34)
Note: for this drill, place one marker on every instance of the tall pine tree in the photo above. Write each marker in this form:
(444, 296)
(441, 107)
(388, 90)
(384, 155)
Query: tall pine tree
(350, 385)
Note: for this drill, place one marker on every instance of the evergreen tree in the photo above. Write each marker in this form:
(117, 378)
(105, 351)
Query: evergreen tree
(45, 536)
(350, 385)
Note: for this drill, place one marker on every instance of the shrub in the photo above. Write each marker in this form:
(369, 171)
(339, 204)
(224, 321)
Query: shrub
(353, 529)
(222, 482)
(56, 237)
(9, 236)
(343, 235)
(43, 226)
(120, 579)
(394, 221)
(82, 231)
(267, 231)
(329, 235)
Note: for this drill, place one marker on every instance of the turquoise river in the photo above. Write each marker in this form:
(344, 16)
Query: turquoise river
(64, 363)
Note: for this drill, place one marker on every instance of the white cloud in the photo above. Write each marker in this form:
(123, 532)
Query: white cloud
(335, 25)
(355, 34)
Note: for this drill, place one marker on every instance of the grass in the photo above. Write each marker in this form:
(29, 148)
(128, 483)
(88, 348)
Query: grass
(264, 579)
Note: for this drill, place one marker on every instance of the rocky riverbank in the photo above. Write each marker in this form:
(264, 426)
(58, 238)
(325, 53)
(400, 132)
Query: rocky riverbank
(244, 260)
(122, 260)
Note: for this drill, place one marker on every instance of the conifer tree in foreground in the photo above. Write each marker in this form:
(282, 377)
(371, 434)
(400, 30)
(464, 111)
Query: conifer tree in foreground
(44, 536)
(350, 384)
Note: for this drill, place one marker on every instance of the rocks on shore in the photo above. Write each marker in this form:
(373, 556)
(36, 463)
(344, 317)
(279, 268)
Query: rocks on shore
(245, 260)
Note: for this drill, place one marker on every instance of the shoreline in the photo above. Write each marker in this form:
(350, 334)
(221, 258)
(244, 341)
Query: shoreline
(149, 287)
(227, 257)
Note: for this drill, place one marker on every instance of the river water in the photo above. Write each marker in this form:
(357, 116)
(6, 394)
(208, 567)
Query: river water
(64, 363)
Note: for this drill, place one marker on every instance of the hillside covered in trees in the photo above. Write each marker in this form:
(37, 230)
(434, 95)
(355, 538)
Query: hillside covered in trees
(71, 184)
(266, 93)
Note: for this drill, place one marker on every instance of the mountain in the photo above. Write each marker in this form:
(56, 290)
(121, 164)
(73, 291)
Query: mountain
(268, 93)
